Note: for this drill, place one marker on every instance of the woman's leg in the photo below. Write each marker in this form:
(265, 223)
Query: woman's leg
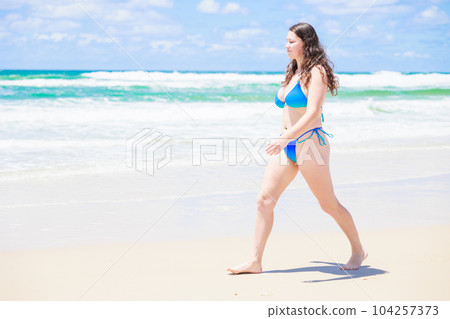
(316, 172)
(276, 178)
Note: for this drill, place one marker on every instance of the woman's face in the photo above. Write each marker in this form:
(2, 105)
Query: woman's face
(294, 46)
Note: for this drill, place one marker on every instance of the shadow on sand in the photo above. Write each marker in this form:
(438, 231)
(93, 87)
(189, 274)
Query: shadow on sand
(333, 269)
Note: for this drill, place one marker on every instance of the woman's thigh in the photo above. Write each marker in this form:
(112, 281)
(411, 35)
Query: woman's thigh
(313, 162)
(279, 173)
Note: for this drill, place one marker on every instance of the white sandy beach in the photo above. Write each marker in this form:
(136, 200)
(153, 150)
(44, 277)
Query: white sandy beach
(404, 264)
(60, 234)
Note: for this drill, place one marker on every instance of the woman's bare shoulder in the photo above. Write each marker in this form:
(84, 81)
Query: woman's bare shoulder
(318, 69)
(319, 72)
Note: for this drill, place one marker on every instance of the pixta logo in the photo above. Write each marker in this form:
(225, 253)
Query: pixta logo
(148, 151)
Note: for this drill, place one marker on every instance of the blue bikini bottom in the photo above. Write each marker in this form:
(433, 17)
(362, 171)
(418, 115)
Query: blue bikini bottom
(290, 148)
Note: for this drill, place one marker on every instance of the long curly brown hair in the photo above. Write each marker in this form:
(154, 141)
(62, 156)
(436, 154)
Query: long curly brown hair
(313, 54)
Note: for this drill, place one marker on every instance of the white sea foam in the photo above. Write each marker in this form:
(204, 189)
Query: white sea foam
(186, 77)
(151, 79)
(87, 112)
(44, 145)
(381, 79)
(44, 136)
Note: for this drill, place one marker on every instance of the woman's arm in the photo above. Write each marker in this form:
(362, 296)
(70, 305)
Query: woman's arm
(316, 97)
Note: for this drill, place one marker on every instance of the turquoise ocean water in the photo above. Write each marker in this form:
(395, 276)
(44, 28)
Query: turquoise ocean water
(75, 122)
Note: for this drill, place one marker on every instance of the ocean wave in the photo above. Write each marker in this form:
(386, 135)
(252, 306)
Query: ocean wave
(380, 79)
(85, 112)
(389, 79)
(142, 79)
(251, 93)
(82, 120)
(41, 144)
(180, 79)
(184, 80)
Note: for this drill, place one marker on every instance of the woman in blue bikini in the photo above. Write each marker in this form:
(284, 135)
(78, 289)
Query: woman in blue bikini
(308, 78)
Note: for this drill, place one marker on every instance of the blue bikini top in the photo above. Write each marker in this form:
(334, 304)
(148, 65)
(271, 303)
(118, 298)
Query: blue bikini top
(295, 98)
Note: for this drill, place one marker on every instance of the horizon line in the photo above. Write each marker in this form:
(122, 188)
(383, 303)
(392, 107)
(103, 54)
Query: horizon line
(207, 71)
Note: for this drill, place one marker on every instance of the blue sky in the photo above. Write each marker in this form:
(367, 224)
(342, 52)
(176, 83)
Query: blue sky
(217, 35)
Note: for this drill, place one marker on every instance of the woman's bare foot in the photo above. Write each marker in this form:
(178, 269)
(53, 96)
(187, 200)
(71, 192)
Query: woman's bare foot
(355, 261)
(248, 267)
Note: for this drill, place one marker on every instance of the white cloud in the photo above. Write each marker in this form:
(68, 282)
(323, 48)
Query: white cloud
(362, 31)
(137, 38)
(370, 54)
(338, 52)
(333, 27)
(4, 34)
(151, 3)
(196, 39)
(389, 37)
(221, 47)
(243, 34)
(19, 24)
(342, 7)
(232, 7)
(208, 6)
(87, 38)
(120, 15)
(71, 10)
(26, 24)
(12, 4)
(309, 18)
(433, 15)
(370, 32)
(12, 17)
(290, 7)
(96, 9)
(153, 29)
(21, 39)
(164, 45)
(55, 36)
(263, 51)
(123, 20)
(412, 54)
(64, 7)
(125, 15)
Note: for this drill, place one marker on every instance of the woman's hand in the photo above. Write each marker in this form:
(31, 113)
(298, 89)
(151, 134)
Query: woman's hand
(275, 147)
